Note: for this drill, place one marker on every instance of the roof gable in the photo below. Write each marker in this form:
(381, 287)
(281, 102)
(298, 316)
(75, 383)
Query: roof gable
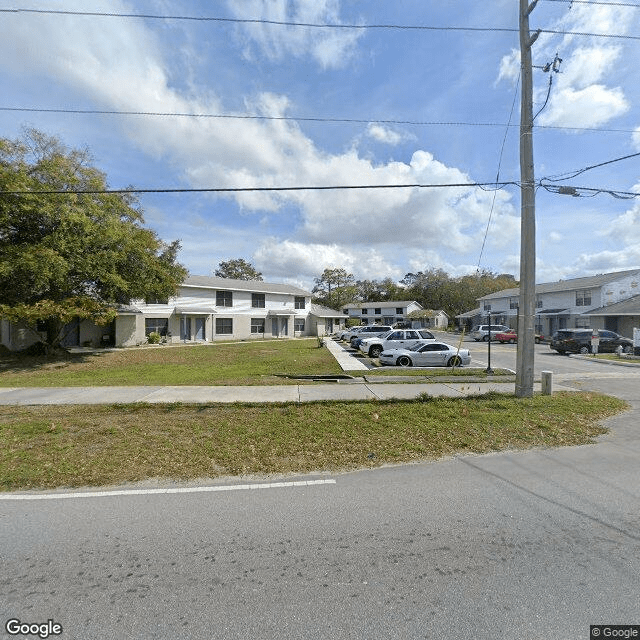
(587, 282)
(231, 284)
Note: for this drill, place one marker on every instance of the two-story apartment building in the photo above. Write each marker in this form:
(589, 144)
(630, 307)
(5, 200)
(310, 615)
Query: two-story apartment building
(568, 303)
(205, 309)
(381, 312)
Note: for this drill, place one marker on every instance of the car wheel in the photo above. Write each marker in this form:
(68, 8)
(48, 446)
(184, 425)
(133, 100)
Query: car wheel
(404, 361)
(537, 340)
(454, 361)
(584, 349)
(512, 341)
(374, 352)
(626, 348)
(485, 338)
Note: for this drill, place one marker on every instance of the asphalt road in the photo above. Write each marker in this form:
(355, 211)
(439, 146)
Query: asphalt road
(534, 544)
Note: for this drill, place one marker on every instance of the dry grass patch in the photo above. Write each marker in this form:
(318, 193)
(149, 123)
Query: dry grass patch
(71, 446)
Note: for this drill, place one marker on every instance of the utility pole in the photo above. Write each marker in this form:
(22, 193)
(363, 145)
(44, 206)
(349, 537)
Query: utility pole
(526, 305)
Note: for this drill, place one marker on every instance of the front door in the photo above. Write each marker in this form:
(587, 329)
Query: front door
(200, 329)
(279, 327)
(185, 328)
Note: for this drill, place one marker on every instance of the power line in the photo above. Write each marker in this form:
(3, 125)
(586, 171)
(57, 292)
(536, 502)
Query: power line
(242, 116)
(493, 202)
(587, 192)
(315, 25)
(595, 2)
(572, 174)
(21, 192)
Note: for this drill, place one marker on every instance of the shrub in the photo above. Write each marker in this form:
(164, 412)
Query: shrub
(154, 338)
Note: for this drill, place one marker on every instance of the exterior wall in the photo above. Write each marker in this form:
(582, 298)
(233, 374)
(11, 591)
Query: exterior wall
(129, 330)
(620, 289)
(387, 313)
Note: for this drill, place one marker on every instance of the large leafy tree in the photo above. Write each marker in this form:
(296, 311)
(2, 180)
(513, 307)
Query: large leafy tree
(334, 288)
(76, 254)
(238, 268)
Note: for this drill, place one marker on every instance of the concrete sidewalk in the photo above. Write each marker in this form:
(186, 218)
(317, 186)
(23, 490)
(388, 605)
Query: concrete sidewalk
(277, 393)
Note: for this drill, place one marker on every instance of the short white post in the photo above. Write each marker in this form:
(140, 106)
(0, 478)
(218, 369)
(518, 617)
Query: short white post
(547, 383)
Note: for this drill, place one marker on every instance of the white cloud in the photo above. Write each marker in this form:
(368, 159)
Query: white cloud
(581, 95)
(329, 47)
(509, 67)
(282, 258)
(589, 107)
(386, 135)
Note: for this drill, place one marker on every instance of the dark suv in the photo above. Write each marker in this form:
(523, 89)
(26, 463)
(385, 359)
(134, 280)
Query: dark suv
(579, 341)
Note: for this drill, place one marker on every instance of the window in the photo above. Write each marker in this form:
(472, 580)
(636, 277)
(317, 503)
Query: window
(487, 307)
(583, 323)
(157, 325)
(298, 325)
(224, 325)
(257, 325)
(513, 304)
(257, 300)
(224, 298)
(399, 311)
(300, 303)
(154, 300)
(377, 311)
(583, 298)
(365, 312)
(539, 303)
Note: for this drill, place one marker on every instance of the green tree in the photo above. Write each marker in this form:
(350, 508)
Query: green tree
(334, 288)
(238, 269)
(77, 254)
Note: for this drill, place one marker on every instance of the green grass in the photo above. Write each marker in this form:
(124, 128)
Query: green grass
(239, 363)
(71, 446)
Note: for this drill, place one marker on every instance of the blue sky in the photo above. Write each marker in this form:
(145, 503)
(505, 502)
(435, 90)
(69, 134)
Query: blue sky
(371, 75)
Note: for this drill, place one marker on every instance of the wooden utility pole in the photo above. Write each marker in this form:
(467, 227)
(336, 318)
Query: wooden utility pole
(526, 306)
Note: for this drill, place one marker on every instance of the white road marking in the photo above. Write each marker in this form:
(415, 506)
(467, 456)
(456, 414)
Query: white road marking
(138, 492)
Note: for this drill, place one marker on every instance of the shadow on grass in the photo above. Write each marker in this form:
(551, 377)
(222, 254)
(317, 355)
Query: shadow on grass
(24, 363)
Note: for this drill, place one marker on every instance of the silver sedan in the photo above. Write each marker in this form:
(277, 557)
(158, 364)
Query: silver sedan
(432, 354)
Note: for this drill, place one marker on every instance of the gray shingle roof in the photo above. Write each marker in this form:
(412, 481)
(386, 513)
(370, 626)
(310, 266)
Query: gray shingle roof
(567, 285)
(325, 312)
(628, 307)
(259, 286)
(382, 305)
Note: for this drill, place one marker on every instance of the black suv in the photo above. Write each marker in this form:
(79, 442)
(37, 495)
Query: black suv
(579, 341)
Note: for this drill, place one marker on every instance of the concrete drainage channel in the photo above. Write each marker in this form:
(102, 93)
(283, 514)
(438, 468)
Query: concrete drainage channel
(320, 378)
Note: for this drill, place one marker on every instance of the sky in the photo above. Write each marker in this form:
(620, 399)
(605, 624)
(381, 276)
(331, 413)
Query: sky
(303, 106)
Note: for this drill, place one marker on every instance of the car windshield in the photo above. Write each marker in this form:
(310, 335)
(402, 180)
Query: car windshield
(386, 334)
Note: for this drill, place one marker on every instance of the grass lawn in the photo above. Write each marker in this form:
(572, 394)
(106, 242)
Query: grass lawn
(238, 363)
(73, 446)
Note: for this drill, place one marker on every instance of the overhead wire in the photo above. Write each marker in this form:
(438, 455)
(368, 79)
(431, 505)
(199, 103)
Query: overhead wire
(338, 120)
(135, 190)
(315, 25)
(493, 202)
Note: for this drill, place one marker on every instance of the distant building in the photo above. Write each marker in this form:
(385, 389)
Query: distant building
(381, 312)
(205, 309)
(606, 301)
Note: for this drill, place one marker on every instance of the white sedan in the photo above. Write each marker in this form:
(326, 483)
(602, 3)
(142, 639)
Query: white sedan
(431, 354)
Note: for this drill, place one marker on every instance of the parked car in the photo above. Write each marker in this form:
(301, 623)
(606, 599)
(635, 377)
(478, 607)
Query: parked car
(481, 332)
(429, 354)
(347, 333)
(369, 331)
(394, 339)
(511, 337)
(579, 341)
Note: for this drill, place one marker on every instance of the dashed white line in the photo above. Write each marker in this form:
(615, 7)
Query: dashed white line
(138, 492)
